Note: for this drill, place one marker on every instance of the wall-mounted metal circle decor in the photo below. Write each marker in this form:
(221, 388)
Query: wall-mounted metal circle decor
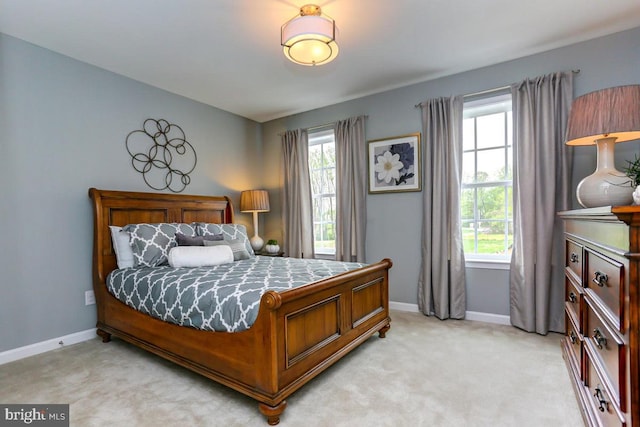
(161, 153)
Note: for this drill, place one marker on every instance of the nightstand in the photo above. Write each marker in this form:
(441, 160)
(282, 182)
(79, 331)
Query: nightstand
(263, 253)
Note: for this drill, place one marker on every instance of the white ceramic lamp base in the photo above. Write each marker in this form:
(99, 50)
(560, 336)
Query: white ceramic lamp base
(607, 186)
(256, 243)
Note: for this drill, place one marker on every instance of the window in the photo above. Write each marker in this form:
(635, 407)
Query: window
(322, 171)
(487, 192)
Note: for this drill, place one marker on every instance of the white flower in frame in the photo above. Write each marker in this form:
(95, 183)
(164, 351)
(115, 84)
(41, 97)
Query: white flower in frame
(388, 167)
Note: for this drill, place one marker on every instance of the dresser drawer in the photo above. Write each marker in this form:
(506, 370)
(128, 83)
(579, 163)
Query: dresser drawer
(573, 300)
(602, 405)
(604, 278)
(605, 344)
(573, 340)
(574, 256)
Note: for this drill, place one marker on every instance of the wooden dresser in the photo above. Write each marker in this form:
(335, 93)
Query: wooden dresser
(600, 347)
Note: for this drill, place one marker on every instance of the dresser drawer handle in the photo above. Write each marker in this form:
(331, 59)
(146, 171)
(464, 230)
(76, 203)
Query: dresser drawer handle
(599, 338)
(600, 279)
(572, 337)
(572, 297)
(602, 403)
(574, 257)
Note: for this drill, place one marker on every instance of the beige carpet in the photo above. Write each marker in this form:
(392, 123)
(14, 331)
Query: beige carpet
(425, 373)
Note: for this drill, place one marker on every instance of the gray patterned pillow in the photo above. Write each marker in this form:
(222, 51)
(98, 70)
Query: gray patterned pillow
(151, 242)
(183, 240)
(228, 231)
(237, 247)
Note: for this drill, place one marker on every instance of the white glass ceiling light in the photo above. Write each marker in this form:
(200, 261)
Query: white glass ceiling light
(309, 38)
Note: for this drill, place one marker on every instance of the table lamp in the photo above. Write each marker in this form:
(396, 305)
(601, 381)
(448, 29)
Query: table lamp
(605, 118)
(255, 201)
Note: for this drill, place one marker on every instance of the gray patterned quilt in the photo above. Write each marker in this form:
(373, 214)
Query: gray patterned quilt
(222, 298)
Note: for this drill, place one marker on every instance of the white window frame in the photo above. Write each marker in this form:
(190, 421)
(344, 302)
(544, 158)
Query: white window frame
(321, 137)
(475, 108)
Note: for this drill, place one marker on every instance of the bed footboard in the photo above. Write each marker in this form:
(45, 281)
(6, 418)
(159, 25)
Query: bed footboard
(318, 324)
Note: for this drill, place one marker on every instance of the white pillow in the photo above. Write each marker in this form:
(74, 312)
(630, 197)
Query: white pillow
(199, 256)
(122, 247)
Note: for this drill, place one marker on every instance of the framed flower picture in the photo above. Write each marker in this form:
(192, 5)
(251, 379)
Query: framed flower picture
(394, 164)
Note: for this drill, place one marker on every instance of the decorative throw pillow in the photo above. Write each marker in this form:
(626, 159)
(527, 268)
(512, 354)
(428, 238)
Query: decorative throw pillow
(121, 246)
(200, 256)
(236, 245)
(229, 232)
(184, 240)
(151, 242)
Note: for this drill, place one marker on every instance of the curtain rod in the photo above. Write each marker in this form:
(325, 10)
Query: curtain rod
(482, 92)
(366, 116)
(326, 125)
(497, 89)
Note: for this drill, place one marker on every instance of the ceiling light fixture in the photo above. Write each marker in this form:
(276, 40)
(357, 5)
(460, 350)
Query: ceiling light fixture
(310, 37)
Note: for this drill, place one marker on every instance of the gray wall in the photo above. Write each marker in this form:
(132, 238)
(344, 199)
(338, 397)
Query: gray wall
(63, 126)
(393, 220)
(64, 123)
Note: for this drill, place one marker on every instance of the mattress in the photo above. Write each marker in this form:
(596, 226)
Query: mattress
(223, 298)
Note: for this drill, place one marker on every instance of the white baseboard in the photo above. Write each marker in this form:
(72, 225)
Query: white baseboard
(403, 306)
(469, 315)
(44, 346)
(477, 316)
(54, 343)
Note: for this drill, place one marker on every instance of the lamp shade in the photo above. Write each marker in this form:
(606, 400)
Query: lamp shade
(254, 201)
(310, 37)
(606, 113)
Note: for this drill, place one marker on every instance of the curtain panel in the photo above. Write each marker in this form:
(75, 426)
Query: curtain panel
(441, 285)
(351, 189)
(541, 188)
(297, 197)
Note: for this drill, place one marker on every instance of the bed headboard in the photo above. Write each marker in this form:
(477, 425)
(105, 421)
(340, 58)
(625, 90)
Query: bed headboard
(125, 207)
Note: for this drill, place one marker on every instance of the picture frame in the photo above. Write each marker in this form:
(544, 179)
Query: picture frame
(395, 164)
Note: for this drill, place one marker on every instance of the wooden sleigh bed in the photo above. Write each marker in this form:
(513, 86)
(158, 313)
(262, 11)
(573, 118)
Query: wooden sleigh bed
(298, 333)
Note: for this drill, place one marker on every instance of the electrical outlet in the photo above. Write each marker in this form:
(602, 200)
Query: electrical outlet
(89, 298)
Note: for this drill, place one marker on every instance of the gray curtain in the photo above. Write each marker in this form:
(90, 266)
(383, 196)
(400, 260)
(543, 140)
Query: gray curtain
(441, 286)
(297, 199)
(541, 188)
(351, 191)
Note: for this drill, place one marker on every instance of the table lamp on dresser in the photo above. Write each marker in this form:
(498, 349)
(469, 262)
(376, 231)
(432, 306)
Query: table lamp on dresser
(605, 118)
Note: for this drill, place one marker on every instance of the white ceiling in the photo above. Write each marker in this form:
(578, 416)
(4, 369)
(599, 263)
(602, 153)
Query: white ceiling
(226, 53)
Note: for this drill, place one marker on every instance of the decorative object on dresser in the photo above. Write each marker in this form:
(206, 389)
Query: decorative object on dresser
(255, 201)
(604, 118)
(601, 346)
(161, 153)
(632, 170)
